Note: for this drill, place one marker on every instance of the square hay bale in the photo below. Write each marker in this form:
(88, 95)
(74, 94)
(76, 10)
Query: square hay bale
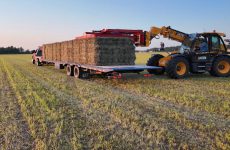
(70, 51)
(58, 51)
(54, 51)
(64, 51)
(48, 51)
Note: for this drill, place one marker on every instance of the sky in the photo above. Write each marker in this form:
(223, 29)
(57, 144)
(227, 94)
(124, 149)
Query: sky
(31, 23)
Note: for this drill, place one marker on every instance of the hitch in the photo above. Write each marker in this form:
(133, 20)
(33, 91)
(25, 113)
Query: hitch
(148, 75)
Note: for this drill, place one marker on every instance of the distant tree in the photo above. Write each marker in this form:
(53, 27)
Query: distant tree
(166, 49)
(27, 51)
(13, 50)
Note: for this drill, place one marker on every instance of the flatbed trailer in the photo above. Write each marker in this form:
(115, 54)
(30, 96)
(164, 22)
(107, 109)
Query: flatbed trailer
(86, 71)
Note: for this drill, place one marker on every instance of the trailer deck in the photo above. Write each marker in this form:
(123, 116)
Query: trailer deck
(85, 71)
(127, 68)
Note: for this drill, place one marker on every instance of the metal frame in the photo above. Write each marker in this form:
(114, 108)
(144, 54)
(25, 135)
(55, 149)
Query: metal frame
(138, 37)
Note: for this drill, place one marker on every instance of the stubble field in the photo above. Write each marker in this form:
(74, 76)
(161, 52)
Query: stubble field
(42, 108)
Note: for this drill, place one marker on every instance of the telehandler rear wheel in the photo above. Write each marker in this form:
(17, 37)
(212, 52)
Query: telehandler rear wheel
(154, 61)
(177, 68)
(221, 67)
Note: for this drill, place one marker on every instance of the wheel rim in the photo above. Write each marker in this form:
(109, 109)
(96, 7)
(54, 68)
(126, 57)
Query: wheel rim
(181, 68)
(223, 67)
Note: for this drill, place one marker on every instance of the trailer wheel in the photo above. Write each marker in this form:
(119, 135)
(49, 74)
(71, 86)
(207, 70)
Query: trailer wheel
(69, 70)
(154, 61)
(33, 61)
(79, 73)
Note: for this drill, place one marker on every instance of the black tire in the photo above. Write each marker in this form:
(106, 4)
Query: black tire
(79, 73)
(33, 61)
(154, 61)
(69, 70)
(177, 68)
(221, 67)
(38, 63)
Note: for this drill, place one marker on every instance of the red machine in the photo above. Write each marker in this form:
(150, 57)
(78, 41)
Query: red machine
(137, 36)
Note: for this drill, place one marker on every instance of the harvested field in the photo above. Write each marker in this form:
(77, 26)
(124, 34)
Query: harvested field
(92, 51)
(42, 108)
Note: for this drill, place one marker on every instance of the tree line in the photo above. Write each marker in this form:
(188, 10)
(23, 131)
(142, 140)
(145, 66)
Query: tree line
(13, 50)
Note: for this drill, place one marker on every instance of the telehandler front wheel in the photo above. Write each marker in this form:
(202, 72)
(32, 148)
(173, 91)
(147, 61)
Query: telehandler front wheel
(154, 61)
(221, 67)
(177, 68)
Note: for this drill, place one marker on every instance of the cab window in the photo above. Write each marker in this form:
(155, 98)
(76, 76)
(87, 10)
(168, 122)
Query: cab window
(222, 47)
(215, 43)
(201, 44)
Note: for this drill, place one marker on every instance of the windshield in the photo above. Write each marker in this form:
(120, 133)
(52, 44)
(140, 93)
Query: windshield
(39, 53)
(187, 44)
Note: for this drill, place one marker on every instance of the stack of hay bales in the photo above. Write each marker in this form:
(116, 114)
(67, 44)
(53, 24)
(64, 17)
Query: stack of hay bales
(64, 56)
(92, 51)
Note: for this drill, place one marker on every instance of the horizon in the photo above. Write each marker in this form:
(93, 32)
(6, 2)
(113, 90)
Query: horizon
(29, 24)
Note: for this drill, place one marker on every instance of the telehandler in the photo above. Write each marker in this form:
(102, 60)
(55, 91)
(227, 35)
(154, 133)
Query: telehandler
(199, 53)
